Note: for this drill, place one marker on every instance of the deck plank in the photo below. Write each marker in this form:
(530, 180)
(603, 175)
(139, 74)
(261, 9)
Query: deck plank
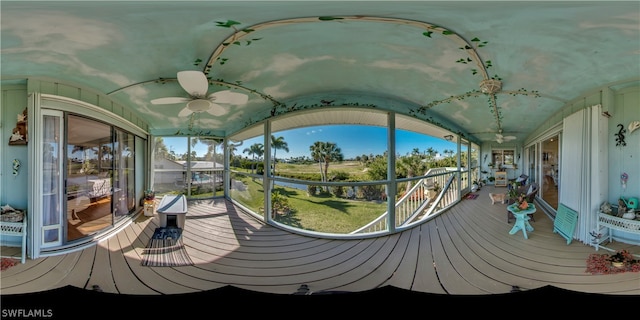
(80, 272)
(122, 263)
(408, 262)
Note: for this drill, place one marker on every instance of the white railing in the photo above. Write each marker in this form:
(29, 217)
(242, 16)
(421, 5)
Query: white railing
(420, 202)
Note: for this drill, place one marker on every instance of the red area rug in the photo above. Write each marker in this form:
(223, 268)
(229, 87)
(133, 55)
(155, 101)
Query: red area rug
(600, 264)
(6, 263)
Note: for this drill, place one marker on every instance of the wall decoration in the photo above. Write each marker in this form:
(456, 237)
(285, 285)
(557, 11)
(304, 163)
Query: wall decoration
(633, 125)
(16, 167)
(19, 134)
(620, 136)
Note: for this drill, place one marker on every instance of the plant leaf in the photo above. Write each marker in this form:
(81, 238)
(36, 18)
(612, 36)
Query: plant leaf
(227, 24)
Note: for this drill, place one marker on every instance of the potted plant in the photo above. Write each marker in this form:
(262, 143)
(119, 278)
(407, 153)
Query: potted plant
(517, 197)
(620, 258)
(475, 186)
(436, 187)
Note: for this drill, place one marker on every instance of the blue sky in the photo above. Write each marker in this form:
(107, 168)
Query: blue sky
(353, 140)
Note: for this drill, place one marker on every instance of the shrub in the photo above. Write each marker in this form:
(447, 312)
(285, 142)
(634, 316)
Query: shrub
(338, 191)
(339, 175)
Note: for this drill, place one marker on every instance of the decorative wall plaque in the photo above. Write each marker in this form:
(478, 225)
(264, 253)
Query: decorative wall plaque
(19, 133)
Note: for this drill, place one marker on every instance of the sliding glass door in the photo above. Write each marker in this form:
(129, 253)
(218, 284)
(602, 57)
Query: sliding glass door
(550, 170)
(124, 173)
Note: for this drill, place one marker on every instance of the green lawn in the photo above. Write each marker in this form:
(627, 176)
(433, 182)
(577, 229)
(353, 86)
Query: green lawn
(321, 213)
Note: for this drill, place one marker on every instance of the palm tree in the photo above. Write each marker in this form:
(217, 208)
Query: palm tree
(448, 152)
(277, 143)
(324, 153)
(232, 153)
(412, 164)
(316, 155)
(431, 153)
(211, 147)
(160, 150)
(256, 149)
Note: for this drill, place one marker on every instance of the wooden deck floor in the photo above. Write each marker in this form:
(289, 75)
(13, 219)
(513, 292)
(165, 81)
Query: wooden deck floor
(465, 251)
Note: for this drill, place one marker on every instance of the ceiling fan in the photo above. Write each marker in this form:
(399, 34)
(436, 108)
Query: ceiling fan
(500, 138)
(195, 83)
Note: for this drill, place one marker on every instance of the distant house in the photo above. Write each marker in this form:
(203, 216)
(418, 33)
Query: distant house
(170, 171)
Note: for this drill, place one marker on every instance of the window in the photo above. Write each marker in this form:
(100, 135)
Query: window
(502, 157)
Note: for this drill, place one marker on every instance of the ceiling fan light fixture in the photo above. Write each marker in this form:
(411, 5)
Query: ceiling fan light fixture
(199, 105)
(490, 86)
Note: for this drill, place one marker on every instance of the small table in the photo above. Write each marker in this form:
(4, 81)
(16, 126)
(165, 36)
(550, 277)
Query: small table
(175, 207)
(522, 218)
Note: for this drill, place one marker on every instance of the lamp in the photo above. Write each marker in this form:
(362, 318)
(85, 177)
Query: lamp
(448, 137)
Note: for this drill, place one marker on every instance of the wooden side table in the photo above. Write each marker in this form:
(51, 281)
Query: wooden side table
(501, 179)
(522, 218)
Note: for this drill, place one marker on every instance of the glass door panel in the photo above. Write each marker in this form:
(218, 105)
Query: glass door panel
(89, 182)
(51, 178)
(532, 164)
(124, 177)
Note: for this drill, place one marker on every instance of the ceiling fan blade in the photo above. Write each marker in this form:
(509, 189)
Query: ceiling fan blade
(194, 82)
(216, 110)
(185, 112)
(229, 97)
(169, 100)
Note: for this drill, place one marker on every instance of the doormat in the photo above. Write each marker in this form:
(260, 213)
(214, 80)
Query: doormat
(165, 249)
(472, 196)
(600, 264)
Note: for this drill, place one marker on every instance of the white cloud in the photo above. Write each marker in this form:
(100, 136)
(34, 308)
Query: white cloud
(58, 38)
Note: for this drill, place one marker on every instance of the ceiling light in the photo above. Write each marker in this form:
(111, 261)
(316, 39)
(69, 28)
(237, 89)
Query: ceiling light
(490, 86)
(199, 105)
